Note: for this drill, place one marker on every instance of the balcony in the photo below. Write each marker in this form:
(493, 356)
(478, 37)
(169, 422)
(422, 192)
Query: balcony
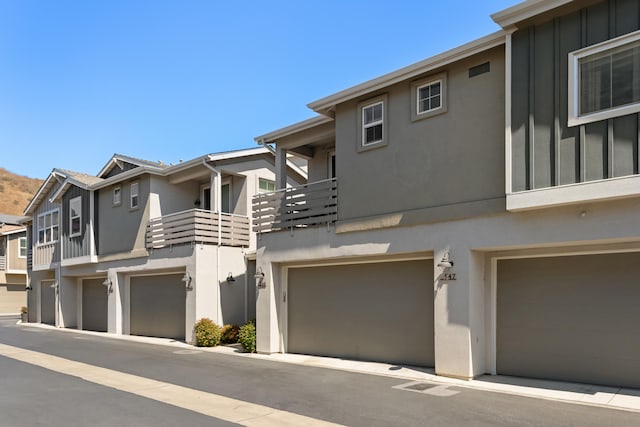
(198, 226)
(297, 207)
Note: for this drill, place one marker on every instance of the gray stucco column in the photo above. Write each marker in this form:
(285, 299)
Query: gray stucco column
(281, 168)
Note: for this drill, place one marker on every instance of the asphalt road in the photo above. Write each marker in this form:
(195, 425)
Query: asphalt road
(34, 396)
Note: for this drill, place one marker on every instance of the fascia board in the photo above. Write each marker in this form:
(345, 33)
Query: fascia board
(292, 129)
(237, 154)
(498, 38)
(7, 233)
(525, 10)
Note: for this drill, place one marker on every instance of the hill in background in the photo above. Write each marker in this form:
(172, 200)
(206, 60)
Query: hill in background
(16, 191)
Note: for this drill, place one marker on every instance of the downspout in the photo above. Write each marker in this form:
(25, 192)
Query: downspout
(218, 189)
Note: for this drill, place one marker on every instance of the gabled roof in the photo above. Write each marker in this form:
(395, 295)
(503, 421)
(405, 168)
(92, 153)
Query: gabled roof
(6, 230)
(78, 179)
(67, 178)
(326, 105)
(56, 176)
(118, 159)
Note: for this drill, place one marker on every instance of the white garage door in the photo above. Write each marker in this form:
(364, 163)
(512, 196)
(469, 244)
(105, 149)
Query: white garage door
(572, 318)
(380, 312)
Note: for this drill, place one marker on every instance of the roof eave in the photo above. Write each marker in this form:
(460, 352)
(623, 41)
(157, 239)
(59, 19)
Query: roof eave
(325, 105)
(292, 129)
(509, 17)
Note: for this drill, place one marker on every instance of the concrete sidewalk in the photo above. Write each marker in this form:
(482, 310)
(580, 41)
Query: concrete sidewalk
(583, 394)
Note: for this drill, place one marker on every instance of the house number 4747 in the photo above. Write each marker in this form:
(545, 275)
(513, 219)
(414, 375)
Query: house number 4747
(448, 276)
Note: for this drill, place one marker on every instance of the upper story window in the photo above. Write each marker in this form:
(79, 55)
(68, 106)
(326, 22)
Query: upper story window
(75, 216)
(372, 123)
(22, 247)
(428, 97)
(372, 117)
(604, 80)
(117, 196)
(133, 195)
(266, 186)
(48, 227)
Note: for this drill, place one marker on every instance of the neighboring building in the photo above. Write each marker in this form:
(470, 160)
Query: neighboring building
(477, 212)
(13, 263)
(145, 248)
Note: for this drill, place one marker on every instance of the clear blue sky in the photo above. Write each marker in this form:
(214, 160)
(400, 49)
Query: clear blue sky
(169, 80)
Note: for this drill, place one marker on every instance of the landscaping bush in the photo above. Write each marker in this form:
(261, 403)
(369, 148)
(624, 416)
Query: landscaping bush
(247, 336)
(207, 333)
(230, 334)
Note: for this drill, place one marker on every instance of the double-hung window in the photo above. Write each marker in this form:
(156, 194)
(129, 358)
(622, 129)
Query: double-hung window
(133, 195)
(22, 247)
(75, 216)
(117, 196)
(604, 80)
(48, 227)
(372, 123)
(372, 117)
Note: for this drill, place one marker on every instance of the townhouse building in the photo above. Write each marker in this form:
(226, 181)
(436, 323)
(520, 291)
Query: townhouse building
(13, 263)
(145, 248)
(476, 212)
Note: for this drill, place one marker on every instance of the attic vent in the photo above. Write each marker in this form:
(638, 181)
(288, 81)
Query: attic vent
(479, 69)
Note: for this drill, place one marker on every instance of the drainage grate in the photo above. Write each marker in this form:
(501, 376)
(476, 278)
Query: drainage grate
(419, 386)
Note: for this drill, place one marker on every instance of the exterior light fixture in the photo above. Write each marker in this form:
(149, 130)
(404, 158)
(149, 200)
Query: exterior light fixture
(259, 276)
(108, 284)
(230, 278)
(187, 281)
(29, 288)
(445, 262)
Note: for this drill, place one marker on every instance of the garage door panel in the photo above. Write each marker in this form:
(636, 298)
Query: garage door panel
(378, 311)
(94, 305)
(47, 303)
(571, 318)
(157, 307)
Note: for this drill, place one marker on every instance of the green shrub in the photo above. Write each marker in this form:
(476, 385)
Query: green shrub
(247, 336)
(207, 333)
(23, 309)
(230, 334)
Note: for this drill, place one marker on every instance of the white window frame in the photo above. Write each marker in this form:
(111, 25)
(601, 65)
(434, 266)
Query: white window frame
(117, 196)
(362, 127)
(416, 114)
(270, 181)
(134, 196)
(431, 96)
(76, 200)
(48, 230)
(22, 244)
(574, 116)
(374, 123)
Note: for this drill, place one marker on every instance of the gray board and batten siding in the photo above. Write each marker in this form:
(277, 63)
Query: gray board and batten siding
(546, 152)
(79, 245)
